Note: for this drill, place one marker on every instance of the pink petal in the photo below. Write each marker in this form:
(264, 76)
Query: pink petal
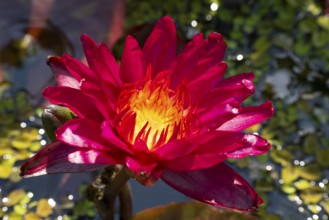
(237, 79)
(186, 60)
(84, 133)
(55, 158)
(62, 74)
(160, 47)
(202, 84)
(112, 136)
(73, 99)
(110, 63)
(248, 116)
(222, 94)
(79, 70)
(214, 51)
(211, 118)
(133, 66)
(219, 186)
(209, 149)
(194, 162)
(101, 61)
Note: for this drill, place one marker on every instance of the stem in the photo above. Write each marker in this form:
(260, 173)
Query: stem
(125, 202)
(114, 178)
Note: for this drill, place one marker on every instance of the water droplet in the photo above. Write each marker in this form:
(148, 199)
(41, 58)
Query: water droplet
(43, 142)
(214, 6)
(315, 217)
(194, 23)
(23, 125)
(269, 168)
(70, 197)
(296, 162)
(239, 57)
(41, 131)
(51, 202)
(5, 209)
(209, 17)
(235, 110)
(30, 194)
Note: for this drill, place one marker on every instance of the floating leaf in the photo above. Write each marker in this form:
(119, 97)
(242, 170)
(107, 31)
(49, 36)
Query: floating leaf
(302, 184)
(289, 174)
(322, 156)
(289, 189)
(311, 171)
(15, 197)
(19, 209)
(323, 21)
(325, 205)
(190, 210)
(31, 216)
(312, 195)
(43, 208)
(283, 157)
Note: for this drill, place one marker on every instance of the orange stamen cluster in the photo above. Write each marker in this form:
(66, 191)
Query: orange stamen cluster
(152, 113)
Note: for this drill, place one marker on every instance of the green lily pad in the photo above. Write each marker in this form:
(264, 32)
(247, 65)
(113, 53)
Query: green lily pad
(283, 157)
(312, 195)
(43, 208)
(189, 210)
(302, 184)
(311, 171)
(289, 174)
(15, 197)
(322, 156)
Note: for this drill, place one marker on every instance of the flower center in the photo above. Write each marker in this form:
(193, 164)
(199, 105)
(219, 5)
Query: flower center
(155, 113)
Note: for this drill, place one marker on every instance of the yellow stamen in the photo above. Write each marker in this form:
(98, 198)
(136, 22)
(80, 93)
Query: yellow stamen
(159, 112)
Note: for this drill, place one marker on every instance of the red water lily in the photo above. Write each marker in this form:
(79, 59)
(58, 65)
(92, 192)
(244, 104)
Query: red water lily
(159, 114)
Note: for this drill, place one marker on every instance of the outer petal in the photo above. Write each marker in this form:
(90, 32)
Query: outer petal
(133, 66)
(211, 118)
(160, 47)
(214, 51)
(61, 158)
(187, 59)
(210, 149)
(239, 91)
(86, 134)
(101, 61)
(218, 186)
(62, 74)
(201, 85)
(248, 116)
(75, 100)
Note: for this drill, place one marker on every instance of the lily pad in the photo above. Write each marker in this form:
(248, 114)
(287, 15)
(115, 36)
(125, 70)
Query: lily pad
(15, 197)
(43, 208)
(311, 171)
(289, 174)
(190, 210)
(312, 195)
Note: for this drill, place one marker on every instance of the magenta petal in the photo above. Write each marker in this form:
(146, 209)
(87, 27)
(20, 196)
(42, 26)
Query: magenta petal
(214, 51)
(62, 74)
(202, 84)
(187, 59)
(133, 66)
(211, 118)
(194, 162)
(248, 116)
(239, 91)
(219, 186)
(110, 135)
(73, 99)
(54, 158)
(111, 64)
(84, 133)
(160, 47)
(79, 70)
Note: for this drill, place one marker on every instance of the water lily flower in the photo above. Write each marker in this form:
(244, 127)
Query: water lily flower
(159, 114)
